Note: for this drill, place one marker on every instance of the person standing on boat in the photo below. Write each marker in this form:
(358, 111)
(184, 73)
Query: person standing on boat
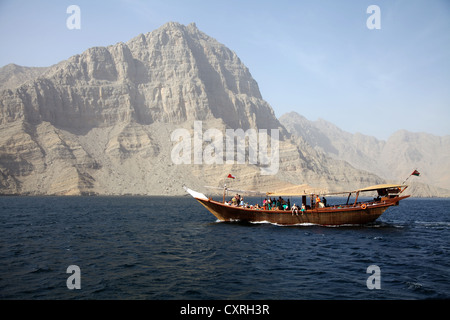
(317, 201)
(324, 201)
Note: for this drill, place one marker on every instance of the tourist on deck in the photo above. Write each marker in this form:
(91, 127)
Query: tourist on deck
(303, 208)
(294, 209)
(317, 201)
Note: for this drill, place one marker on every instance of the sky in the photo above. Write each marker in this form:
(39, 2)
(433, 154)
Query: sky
(315, 57)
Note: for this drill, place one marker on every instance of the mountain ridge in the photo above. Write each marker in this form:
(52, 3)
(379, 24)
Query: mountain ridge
(100, 122)
(13, 75)
(392, 159)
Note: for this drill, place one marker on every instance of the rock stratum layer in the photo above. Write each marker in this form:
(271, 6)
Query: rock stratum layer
(101, 122)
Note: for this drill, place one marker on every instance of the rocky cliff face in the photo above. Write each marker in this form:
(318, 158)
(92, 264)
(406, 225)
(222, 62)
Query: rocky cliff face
(171, 75)
(12, 75)
(101, 122)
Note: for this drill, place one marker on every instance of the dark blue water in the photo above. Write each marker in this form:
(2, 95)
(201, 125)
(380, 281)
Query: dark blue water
(172, 248)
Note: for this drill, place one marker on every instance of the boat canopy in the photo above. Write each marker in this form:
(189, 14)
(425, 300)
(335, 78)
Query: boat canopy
(295, 190)
(303, 190)
(389, 187)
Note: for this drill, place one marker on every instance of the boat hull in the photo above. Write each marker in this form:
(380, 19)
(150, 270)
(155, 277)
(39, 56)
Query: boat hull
(329, 216)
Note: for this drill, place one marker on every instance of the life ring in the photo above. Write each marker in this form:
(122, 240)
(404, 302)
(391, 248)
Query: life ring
(364, 206)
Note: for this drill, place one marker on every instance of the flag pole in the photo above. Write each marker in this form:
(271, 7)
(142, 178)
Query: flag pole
(415, 172)
(224, 189)
(406, 179)
(225, 185)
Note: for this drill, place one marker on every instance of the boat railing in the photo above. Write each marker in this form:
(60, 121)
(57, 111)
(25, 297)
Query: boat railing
(361, 204)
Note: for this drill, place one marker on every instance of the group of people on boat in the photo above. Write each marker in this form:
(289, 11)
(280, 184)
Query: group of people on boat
(276, 204)
(295, 209)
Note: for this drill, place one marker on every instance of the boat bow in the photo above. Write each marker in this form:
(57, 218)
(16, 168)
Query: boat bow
(195, 194)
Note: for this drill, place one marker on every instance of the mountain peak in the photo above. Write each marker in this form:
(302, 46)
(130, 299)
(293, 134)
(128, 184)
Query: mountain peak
(172, 27)
(192, 25)
(13, 75)
(176, 25)
(173, 74)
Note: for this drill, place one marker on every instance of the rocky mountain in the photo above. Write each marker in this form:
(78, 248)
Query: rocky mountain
(393, 159)
(103, 122)
(12, 75)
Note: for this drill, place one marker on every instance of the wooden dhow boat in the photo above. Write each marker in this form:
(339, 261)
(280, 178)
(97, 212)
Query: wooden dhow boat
(315, 212)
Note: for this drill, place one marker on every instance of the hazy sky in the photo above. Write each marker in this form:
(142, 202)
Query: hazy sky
(317, 58)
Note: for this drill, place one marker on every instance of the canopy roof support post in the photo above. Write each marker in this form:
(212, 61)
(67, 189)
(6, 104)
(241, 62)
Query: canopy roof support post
(224, 191)
(356, 199)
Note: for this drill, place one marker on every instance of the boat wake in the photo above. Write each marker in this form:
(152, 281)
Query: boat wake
(377, 224)
(306, 224)
(267, 222)
(433, 224)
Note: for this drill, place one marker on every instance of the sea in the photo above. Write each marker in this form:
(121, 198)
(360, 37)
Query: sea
(172, 248)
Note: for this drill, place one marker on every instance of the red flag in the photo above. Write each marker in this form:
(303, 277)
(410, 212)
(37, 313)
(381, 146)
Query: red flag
(415, 173)
(231, 177)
